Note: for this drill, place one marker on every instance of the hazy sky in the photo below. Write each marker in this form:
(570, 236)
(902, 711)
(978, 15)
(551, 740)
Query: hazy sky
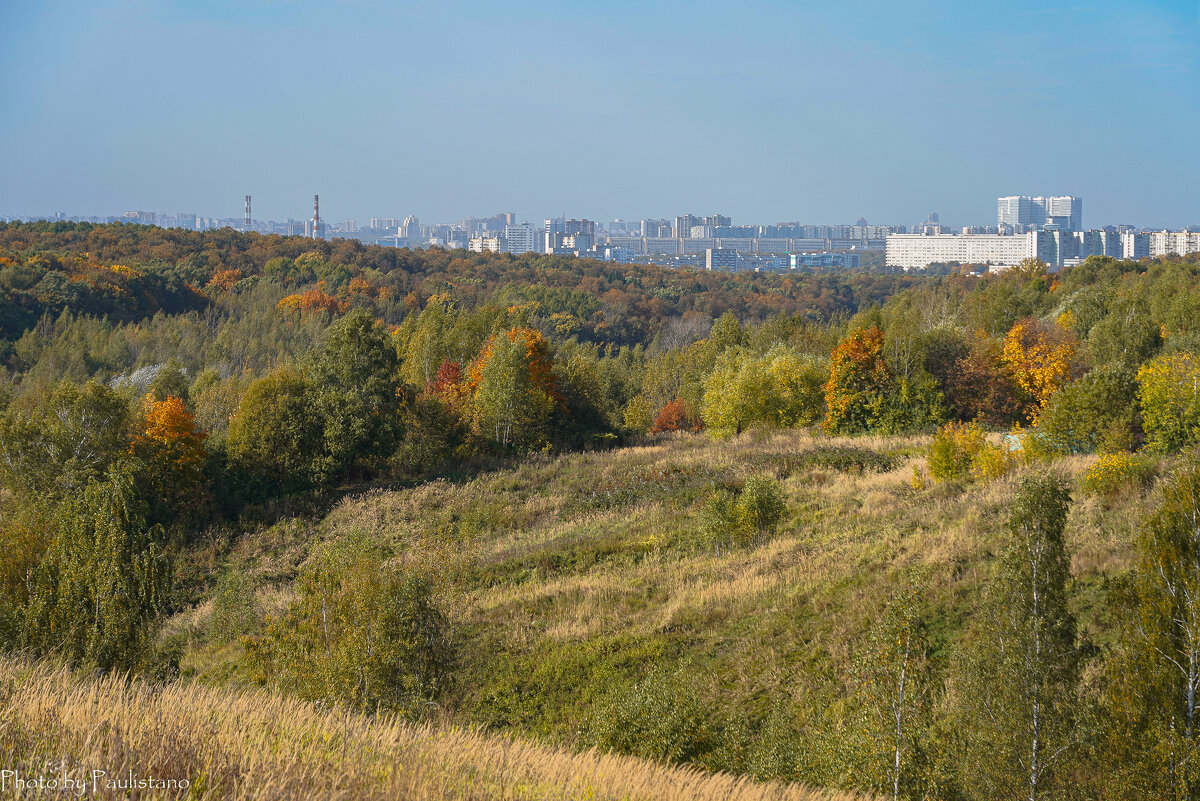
(810, 111)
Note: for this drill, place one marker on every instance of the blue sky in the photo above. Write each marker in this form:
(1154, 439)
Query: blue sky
(819, 112)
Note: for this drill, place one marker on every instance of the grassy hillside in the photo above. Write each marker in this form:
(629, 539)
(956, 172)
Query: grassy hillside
(592, 607)
(251, 745)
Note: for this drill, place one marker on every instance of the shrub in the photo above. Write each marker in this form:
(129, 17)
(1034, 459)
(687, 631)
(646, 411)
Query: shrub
(362, 632)
(718, 520)
(842, 459)
(675, 417)
(993, 462)
(760, 507)
(234, 611)
(1116, 473)
(751, 514)
(960, 451)
(1169, 392)
(954, 449)
(661, 717)
(1095, 413)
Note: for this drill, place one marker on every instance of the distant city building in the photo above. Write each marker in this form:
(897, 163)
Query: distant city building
(655, 228)
(410, 229)
(557, 231)
(620, 255)
(522, 238)
(486, 244)
(1022, 213)
(683, 225)
(799, 261)
(722, 259)
(1173, 243)
(916, 251)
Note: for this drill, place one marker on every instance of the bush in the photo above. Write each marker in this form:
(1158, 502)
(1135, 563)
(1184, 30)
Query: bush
(745, 516)
(1116, 473)
(363, 633)
(954, 449)
(234, 612)
(993, 462)
(1095, 413)
(960, 451)
(661, 717)
(842, 459)
(760, 507)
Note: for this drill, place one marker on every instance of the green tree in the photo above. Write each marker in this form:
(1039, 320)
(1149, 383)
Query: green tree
(1096, 413)
(362, 632)
(66, 443)
(859, 380)
(514, 391)
(1126, 336)
(895, 686)
(355, 390)
(105, 582)
(1021, 674)
(276, 433)
(1164, 686)
(778, 389)
(1169, 394)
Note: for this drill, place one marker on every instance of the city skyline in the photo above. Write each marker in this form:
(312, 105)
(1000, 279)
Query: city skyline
(770, 110)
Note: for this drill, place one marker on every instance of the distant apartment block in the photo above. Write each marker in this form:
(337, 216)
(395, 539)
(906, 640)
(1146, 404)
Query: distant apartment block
(655, 229)
(916, 251)
(486, 244)
(556, 231)
(1022, 213)
(722, 259)
(800, 261)
(1056, 247)
(523, 238)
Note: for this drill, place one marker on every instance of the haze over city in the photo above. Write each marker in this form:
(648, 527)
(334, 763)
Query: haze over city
(763, 111)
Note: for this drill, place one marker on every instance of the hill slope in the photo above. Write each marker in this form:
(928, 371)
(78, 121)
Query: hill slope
(593, 606)
(219, 743)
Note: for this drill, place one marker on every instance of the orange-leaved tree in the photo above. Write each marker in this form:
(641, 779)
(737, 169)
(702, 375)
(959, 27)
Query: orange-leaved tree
(171, 448)
(315, 299)
(858, 380)
(450, 387)
(675, 417)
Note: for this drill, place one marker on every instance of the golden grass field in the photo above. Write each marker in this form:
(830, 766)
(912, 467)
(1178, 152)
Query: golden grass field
(253, 745)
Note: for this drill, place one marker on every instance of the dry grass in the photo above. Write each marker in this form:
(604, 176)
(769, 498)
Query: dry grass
(252, 745)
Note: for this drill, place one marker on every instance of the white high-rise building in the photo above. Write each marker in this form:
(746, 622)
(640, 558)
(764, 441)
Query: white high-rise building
(916, 251)
(1020, 213)
(1173, 243)
(522, 238)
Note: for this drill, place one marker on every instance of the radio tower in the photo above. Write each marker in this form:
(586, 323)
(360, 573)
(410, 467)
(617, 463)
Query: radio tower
(316, 231)
(247, 227)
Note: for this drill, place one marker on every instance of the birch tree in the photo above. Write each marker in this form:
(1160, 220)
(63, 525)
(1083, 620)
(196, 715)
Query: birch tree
(1022, 672)
(894, 683)
(1169, 627)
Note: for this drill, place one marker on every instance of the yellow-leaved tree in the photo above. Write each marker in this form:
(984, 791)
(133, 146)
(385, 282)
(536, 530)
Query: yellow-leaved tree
(1043, 357)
